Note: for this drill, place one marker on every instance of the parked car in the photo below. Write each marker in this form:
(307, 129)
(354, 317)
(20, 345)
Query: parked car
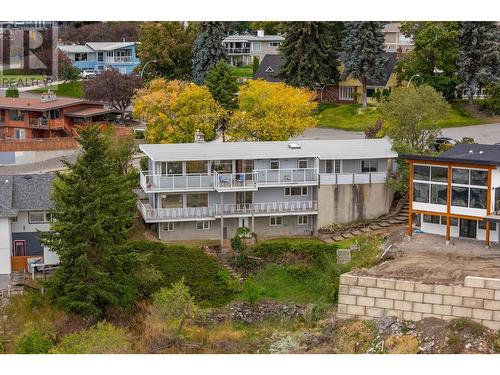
(441, 141)
(88, 74)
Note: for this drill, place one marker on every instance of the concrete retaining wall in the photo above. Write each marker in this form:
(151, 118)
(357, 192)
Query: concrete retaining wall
(369, 297)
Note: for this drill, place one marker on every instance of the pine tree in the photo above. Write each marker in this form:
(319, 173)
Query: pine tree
(207, 49)
(363, 53)
(310, 51)
(479, 59)
(93, 211)
(223, 85)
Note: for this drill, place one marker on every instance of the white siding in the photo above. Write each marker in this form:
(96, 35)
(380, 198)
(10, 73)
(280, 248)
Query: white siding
(5, 246)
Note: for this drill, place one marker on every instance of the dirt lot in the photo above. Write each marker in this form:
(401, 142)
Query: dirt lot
(428, 259)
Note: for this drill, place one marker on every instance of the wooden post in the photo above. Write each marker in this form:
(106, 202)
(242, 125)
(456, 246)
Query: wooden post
(410, 198)
(221, 220)
(448, 205)
(448, 223)
(488, 208)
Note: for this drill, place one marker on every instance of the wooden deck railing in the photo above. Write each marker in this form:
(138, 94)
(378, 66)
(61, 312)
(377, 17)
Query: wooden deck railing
(38, 144)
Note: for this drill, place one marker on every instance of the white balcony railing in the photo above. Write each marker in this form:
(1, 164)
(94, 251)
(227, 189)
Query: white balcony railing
(296, 176)
(119, 59)
(188, 182)
(235, 181)
(353, 178)
(160, 214)
(266, 208)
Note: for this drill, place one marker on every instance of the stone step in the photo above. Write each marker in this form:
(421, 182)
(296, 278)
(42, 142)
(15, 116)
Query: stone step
(375, 226)
(401, 218)
(394, 221)
(384, 224)
(347, 235)
(365, 230)
(338, 238)
(356, 232)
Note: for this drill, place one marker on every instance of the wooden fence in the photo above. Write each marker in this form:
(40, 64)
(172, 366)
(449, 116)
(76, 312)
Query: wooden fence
(42, 144)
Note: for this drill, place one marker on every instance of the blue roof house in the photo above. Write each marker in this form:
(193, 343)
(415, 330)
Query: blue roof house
(100, 56)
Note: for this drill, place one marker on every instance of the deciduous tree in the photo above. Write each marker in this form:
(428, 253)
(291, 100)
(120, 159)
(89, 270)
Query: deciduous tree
(410, 116)
(363, 53)
(271, 112)
(310, 51)
(479, 55)
(94, 208)
(174, 110)
(207, 49)
(116, 89)
(170, 44)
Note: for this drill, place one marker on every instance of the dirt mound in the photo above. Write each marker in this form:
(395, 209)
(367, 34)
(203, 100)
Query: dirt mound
(432, 267)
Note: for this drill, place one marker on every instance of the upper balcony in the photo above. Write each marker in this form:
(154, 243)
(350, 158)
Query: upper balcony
(189, 182)
(238, 51)
(281, 177)
(235, 181)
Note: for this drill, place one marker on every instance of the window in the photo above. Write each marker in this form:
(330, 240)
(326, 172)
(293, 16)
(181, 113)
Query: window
(482, 225)
(453, 221)
(459, 196)
(100, 56)
(16, 115)
(80, 57)
(174, 167)
(420, 192)
(54, 114)
(296, 190)
(203, 225)
(19, 133)
(368, 166)
(477, 198)
(439, 174)
(302, 164)
(39, 217)
(302, 220)
(434, 219)
(197, 200)
(439, 194)
(274, 164)
(169, 227)
(460, 176)
(171, 201)
(276, 221)
(421, 172)
(346, 92)
(222, 166)
(478, 177)
(333, 166)
(197, 167)
(274, 44)
(256, 46)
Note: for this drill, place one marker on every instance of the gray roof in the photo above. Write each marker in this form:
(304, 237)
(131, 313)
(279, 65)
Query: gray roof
(323, 149)
(253, 38)
(75, 48)
(25, 192)
(389, 64)
(95, 46)
(269, 68)
(465, 153)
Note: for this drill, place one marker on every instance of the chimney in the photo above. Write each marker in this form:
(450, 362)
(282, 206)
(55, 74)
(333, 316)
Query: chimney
(199, 137)
(260, 33)
(399, 53)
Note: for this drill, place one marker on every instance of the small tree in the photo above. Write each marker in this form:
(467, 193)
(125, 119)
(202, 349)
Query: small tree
(492, 101)
(12, 92)
(223, 85)
(207, 49)
(272, 112)
(67, 71)
(410, 116)
(116, 89)
(175, 304)
(255, 64)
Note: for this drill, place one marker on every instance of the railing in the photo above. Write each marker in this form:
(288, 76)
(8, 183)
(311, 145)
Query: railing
(235, 181)
(176, 182)
(266, 208)
(44, 123)
(237, 50)
(154, 214)
(353, 178)
(120, 59)
(287, 176)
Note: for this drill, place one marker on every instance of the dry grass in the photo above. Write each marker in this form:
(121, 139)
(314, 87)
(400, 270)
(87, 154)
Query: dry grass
(405, 344)
(354, 336)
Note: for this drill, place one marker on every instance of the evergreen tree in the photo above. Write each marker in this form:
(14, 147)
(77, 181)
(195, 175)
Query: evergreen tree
(310, 51)
(363, 53)
(93, 211)
(479, 57)
(207, 49)
(223, 85)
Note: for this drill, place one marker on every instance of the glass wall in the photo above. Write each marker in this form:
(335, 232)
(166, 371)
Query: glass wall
(430, 184)
(469, 188)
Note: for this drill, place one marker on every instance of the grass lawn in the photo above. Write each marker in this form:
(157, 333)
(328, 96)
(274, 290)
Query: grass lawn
(350, 117)
(69, 89)
(243, 71)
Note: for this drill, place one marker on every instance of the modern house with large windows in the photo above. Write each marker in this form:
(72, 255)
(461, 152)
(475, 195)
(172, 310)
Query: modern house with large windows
(100, 56)
(456, 194)
(208, 190)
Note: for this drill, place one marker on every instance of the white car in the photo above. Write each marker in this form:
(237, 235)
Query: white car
(88, 74)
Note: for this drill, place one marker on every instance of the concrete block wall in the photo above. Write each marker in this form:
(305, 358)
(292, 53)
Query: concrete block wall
(365, 297)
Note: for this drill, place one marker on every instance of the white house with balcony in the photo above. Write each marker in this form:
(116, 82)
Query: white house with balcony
(208, 190)
(241, 49)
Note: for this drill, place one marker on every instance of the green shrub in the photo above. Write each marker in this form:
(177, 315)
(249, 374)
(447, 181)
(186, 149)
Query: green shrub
(252, 292)
(312, 249)
(103, 338)
(144, 163)
(255, 64)
(300, 271)
(36, 338)
(12, 92)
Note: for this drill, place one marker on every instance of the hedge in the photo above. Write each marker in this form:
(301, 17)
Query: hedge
(313, 249)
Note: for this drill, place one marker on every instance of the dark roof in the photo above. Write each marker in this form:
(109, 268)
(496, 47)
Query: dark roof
(465, 153)
(25, 192)
(390, 63)
(269, 68)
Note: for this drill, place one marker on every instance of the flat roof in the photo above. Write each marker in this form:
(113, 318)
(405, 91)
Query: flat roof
(323, 149)
(253, 38)
(89, 112)
(36, 104)
(464, 153)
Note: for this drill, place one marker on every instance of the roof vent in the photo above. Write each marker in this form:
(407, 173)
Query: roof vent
(294, 146)
(481, 152)
(471, 152)
(47, 97)
(270, 70)
(27, 177)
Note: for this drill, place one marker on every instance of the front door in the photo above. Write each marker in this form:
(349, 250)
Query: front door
(468, 228)
(19, 248)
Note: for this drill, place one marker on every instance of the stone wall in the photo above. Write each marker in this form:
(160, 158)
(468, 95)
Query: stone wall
(369, 297)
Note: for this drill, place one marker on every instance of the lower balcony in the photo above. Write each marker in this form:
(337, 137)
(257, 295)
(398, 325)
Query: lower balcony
(154, 215)
(353, 178)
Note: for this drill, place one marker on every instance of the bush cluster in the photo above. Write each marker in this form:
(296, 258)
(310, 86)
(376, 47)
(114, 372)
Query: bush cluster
(314, 250)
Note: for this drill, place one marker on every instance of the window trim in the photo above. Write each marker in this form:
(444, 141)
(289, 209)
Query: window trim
(370, 161)
(271, 164)
(166, 226)
(46, 213)
(275, 223)
(300, 161)
(203, 224)
(303, 223)
(302, 190)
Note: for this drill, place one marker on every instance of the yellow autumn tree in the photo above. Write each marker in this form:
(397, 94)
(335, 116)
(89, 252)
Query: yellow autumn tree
(174, 110)
(271, 112)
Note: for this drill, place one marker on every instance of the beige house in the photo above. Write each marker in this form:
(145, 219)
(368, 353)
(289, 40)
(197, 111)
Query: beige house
(395, 39)
(241, 49)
